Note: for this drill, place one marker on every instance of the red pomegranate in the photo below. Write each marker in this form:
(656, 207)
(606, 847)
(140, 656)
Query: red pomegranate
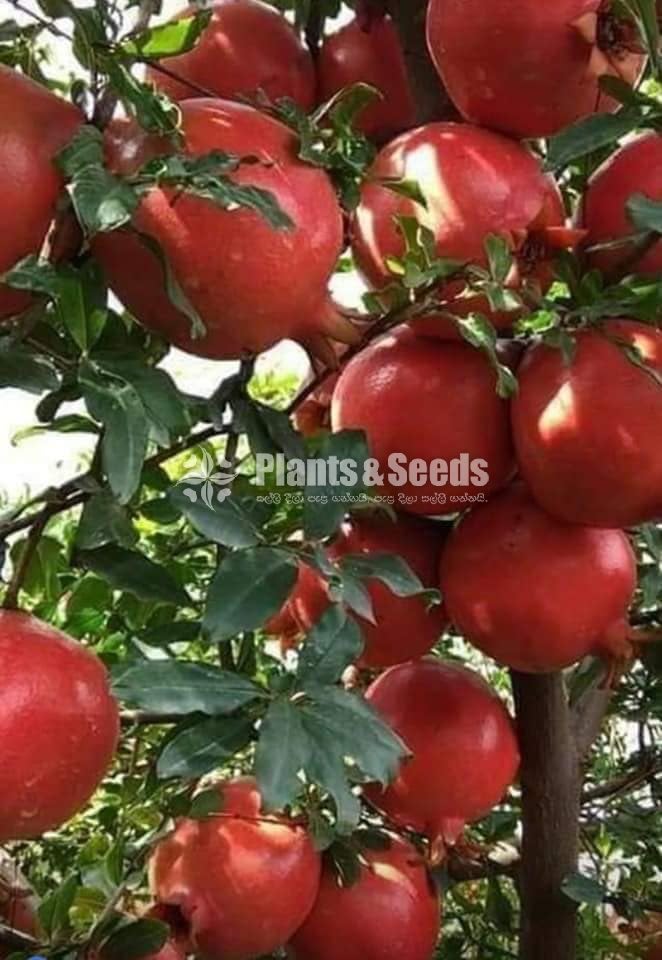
(59, 726)
(561, 49)
(635, 169)
(433, 401)
(464, 749)
(284, 627)
(217, 872)
(587, 433)
(251, 283)
(405, 627)
(393, 910)
(18, 905)
(247, 47)
(655, 952)
(368, 50)
(536, 593)
(36, 125)
(476, 183)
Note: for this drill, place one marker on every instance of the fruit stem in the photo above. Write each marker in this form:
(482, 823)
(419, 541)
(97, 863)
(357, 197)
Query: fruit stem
(551, 790)
(22, 566)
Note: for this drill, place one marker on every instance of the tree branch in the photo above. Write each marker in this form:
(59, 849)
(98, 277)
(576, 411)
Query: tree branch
(626, 783)
(588, 715)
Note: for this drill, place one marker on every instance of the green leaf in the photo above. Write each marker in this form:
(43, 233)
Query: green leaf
(165, 406)
(135, 940)
(154, 111)
(388, 568)
(174, 687)
(24, 369)
(588, 135)
(69, 423)
(249, 587)
(177, 631)
(410, 189)
(135, 573)
(479, 332)
(583, 889)
(333, 644)
(324, 509)
(117, 405)
(103, 521)
(54, 910)
(102, 202)
(196, 750)
(645, 214)
(281, 754)
(326, 767)
(169, 39)
(205, 804)
(173, 289)
(499, 258)
(224, 523)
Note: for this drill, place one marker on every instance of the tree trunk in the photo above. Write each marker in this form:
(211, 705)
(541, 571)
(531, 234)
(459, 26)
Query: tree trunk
(551, 788)
(429, 94)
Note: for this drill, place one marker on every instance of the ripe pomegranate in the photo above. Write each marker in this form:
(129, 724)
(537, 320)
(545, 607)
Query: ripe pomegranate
(216, 872)
(635, 169)
(393, 910)
(405, 627)
(59, 726)
(388, 391)
(247, 47)
(18, 905)
(36, 125)
(463, 743)
(284, 626)
(368, 50)
(563, 48)
(536, 593)
(252, 284)
(587, 432)
(476, 183)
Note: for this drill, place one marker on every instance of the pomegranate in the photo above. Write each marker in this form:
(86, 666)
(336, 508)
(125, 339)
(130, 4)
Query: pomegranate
(655, 952)
(251, 284)
(635, 169)
(314, 414)
(18, 905)
(36, 125)
(388, 390)
(247, 48)
(587, 432)
(59, 726)
(464, 748)
(368, 50)
(405, 627)
(217, 872)
(475, 183)
(562, 49)
(393, 910)
(284, 626)
(536, 593)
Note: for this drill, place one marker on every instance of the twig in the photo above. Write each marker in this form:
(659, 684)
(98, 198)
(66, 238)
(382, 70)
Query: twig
(588, 715)
(10, 601)
(626, 783)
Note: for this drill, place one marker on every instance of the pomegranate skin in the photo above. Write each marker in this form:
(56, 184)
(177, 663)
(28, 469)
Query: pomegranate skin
(465, 753)
(536, 593)
(553, 80)
(369, 51)
(392, 911)
(215, 871)
(385, 391)
(36, 125)
(635, 169)
(587, 433)
(405, 628)
(59, 726)
(476, 183)
(252, 285)
(248, 47)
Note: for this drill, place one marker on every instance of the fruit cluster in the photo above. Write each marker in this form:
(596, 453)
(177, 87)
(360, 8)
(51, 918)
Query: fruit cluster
(538, 577)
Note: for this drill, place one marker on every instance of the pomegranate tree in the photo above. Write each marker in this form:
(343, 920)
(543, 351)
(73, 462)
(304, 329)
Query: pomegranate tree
(252, 284)
(587, 431)
(463, 745)
(216, 872)
(392, 910)
(534, 592)
(368, 50)
(59, 726)
(635, 169)
(405, 627)
(476, 184)
(530, 68)
(247, 48)
(385, 391)
(36, 125)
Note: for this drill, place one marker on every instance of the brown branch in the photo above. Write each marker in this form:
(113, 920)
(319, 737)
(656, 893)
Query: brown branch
(15, 940)
(22, 567)
(467, 869)
(626, 783)
(588, 715)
